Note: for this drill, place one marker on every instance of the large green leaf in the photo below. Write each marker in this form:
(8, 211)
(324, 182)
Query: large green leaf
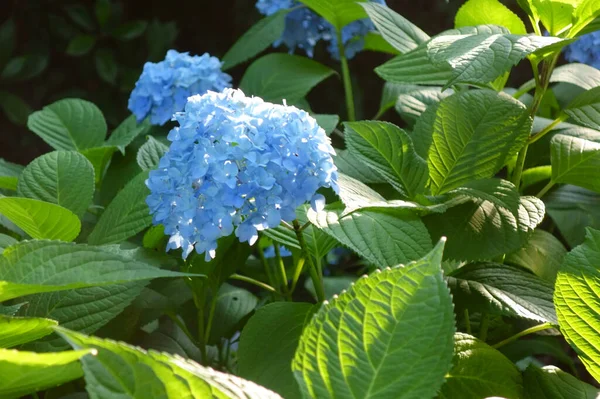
(126, 215)
(267, 346)
(260, 36)
(348, 164)
(119, 369)
(585, 13)
(150, 153)
(83, 309)
(31, 267)
(65, 178)
(481, 12)
(69, 124)
(126, 132)
(389, 333)
(412, 103)
(575, 161)
(276, 77)
(585, 108)
(577, 302)
(395, 29)
(542, 254)
(382, 239)
(339, 13)
(470, 135)
(41, 219)
(580, 75)
(27, 372)
(555, 15)
(502, 290)
(233, 305)
(550, 382)
(480, 371)
(100, 158)
(490, 229)
(389, 151)
(18, 330)
(472, 55)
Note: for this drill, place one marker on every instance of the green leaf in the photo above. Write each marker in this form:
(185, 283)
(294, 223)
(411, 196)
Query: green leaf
(267, 346)
(81, 45)
(382, 239)
(585, 108)
(375, 42)
(470, 135)
(100, 158)
(395, 29)
(327, 121)
(124, 370)
(28, 372)
(31, 267)
(81, 16)
(102, 11)
(479, 371)
(411, 104)
(6, 241)
(15, 109)
(348, 164)
(535, 175)
(580, 75)
(481, 12)
(276, 77)
(390, 94)
(577, 302)
(472, 55)
(554, 14)
(502, 290)
(150, 153)
(130, 30)
(126, 215)
(552, 383)
(18, 330)
(41, 219)
(7, 40)
(538, 345)
(233, 305)
(575, 161)
(65, 178)
(389, 151)
(11, 310)
(106, 65)
(126, 132)
(490, 229)
(585, 13)
(83, 309)
(260, 36)
(339, 13)
(10, 169)
(69, 124)
(542, 254)
(397, 319)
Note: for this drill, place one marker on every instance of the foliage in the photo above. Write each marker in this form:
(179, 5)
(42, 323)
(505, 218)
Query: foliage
(445, 255)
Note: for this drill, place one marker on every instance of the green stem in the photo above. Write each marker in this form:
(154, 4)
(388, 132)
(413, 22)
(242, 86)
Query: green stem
(347, 79)
(282, 274)
(201, 336)
(545, 130)
(182, 326)
(211, 315)
(531, 330)
(297, 272)
(483, 326)
(315, 274)
(542, 82)
(544, 190)
(266, 266)
(250, 280)
(467, 322)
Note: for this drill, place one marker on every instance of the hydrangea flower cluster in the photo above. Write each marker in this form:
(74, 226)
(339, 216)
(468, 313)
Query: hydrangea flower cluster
(304, 28)
(585, 50)
(237, 164)
(163, 87)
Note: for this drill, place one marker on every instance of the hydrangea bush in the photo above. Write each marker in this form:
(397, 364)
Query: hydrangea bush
(227, 241)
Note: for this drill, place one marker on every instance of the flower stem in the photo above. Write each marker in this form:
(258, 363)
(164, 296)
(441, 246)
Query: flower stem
(282, 273)
(544, 190)
(250, 280)
(534, 329)
(346, 78)
(315, 274)
(483, 326)
(547, 129)
(467, 321)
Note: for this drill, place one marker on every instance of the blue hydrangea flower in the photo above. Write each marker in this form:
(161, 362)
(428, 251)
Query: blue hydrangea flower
(304, 28)
(163, 87)
(585, 50)
(269, 252)
(237, 164)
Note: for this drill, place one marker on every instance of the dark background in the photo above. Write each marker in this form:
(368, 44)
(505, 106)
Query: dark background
(45, 28)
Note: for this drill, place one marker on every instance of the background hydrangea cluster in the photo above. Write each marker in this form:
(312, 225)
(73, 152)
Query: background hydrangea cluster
(585, 50)
(163, 87)
(304, 29)
(240, 164)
